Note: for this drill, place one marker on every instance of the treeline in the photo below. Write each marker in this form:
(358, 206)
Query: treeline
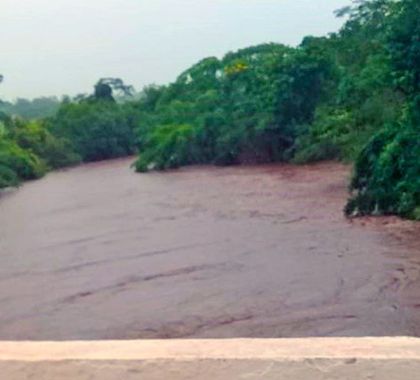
(352, 96)
(37, 108)
(84, 129)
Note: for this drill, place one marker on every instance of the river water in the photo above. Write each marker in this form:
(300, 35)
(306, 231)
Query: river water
(99, 252)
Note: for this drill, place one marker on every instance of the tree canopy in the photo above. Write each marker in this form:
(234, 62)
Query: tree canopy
(351, 96)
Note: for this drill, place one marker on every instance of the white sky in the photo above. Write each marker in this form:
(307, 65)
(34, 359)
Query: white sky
(55, 47)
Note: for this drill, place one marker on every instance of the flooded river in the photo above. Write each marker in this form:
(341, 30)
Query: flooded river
(99, 252)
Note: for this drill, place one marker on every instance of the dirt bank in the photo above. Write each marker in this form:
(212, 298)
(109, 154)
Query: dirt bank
(99, 252)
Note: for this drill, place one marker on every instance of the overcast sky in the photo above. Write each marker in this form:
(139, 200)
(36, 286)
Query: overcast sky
(55, 47)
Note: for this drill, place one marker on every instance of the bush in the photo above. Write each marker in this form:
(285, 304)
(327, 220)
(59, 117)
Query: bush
(8, 177)
(97, 130)
(35, 136)
(24, 164)
(387, 174)
(167, 146)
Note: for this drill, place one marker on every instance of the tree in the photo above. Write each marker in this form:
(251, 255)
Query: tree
(244, 107)
(387, 172)
(37, 108)
(97, 130)
(105, 88)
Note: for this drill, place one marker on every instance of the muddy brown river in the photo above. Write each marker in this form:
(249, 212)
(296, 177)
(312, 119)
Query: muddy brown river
(99, 252)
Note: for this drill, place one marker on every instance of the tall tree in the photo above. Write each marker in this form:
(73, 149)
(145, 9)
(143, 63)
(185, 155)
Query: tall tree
(105, 88)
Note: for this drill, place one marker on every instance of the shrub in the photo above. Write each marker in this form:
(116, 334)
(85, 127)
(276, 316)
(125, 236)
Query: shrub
(167, 146)
(35, 136)
(8, 177)
(97, 130)
(387, 174)
(24, 164)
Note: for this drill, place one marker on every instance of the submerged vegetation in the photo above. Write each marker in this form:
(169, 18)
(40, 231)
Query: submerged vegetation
(352, 96)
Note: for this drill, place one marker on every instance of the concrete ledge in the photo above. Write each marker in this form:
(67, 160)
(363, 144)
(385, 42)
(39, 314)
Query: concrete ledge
(291, 359)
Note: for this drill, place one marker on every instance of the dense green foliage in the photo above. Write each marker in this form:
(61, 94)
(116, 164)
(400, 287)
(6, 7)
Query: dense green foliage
(88, 128)
(387, 172)
(28, 149)
(16, 163)
(31, 109)
(98, 130)
(351, 96)
(243, 107)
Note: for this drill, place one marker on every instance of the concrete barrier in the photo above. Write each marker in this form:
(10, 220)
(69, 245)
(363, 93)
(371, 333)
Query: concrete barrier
(279, 359)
